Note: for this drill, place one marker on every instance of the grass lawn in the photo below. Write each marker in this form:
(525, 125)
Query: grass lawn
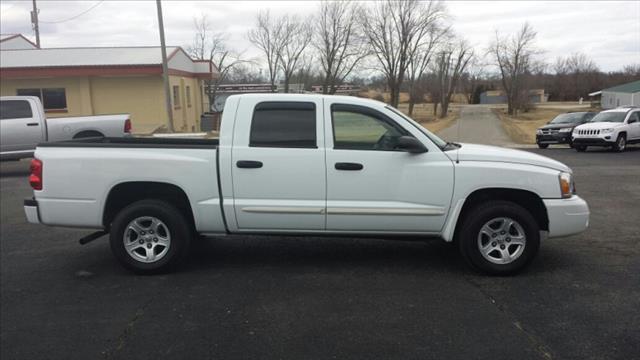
(522, 128)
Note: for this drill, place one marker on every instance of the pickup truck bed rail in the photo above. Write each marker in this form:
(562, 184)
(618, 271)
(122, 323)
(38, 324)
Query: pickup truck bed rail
(135, 142)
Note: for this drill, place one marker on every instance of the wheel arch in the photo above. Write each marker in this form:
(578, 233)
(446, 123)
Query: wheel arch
(529, 200)
(87, 133)
(126, 193)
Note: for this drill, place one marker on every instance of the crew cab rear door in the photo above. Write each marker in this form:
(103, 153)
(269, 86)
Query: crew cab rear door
(372, 186)
(20, 128)
(278, 165)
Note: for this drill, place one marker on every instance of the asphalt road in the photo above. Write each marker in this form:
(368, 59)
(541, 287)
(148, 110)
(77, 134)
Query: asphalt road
(477, 124)
(316, 298)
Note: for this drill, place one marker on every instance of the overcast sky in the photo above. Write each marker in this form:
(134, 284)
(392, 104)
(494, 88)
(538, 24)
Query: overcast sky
(608, 31)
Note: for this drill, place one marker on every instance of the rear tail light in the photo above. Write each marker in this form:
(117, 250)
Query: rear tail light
(127, 126)
(35, 179)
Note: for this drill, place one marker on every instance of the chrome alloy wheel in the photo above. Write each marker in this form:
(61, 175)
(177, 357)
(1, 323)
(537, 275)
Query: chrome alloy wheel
(501, 240)
(147, 239)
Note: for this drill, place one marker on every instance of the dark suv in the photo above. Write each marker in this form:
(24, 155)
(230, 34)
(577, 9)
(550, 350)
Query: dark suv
(558, 130)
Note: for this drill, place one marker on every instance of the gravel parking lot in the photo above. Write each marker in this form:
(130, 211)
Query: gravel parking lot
(306, 298)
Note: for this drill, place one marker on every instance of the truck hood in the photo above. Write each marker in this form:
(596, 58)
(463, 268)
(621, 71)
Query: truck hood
(557, 126)
(474, 152)
(599, 125)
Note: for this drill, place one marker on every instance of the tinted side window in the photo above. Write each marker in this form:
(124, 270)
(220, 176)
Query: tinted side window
(634, 117)
(15, 109)
(284, 125)
(363, 129)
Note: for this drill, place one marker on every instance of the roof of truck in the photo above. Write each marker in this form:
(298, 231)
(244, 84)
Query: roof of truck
(311, 96)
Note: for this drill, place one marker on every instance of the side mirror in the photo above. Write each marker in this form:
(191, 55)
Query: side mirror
(411, 145)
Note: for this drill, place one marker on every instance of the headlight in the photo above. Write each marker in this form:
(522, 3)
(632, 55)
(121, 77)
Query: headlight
(606, 131)
(539, 132)
(566, 185)
(565, 130)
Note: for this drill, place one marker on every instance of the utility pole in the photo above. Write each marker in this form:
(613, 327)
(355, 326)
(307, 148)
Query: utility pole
(34, 22)
(165, 69)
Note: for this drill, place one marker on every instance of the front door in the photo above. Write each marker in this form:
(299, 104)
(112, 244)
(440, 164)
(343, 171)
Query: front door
(278, 165)
(19, 131)
(634, 126)
(373, 187)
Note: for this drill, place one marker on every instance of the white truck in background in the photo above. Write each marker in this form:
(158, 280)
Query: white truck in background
(23, 125)
(292, 164)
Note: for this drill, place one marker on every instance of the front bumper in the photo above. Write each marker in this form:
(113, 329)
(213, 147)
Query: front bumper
(594, 141)
(567, 216)
(559, 138)
(31, 211)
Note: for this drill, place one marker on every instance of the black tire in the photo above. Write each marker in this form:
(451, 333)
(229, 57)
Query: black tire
(177, 226)
(621, 143)
(478, 217)
(543, 146)
(580, 148)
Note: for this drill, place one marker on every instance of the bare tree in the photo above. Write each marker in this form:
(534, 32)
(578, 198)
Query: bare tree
(515, 58)
(295, 36)
(267, 36)
(338, 41)
(395, 32)
(450, 65)
(211, 46)
(575, 76)
(420, 61)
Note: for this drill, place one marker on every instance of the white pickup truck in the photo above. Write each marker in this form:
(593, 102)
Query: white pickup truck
(23, 125)
(305, 165)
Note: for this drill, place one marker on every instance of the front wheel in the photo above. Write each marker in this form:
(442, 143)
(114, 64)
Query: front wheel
(621, 143)
(580, 148)
(499, 238)
(543, 146)
(150, 236)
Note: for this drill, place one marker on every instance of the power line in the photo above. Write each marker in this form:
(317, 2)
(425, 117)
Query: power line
(75, 16)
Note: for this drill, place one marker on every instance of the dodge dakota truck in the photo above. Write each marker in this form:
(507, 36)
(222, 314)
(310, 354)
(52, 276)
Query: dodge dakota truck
(23, 125)
(293, 164)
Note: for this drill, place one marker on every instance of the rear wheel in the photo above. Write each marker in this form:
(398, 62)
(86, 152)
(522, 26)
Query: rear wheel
(543, 146)
(150, 236)
(499, 238)
(580, 148)
(621, 143)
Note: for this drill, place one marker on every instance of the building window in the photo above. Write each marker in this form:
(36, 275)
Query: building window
(188, 96)
(284, 125)
(53, 99)
(176, 97)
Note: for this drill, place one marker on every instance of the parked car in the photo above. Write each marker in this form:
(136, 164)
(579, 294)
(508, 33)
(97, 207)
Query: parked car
(614, 128)
(558, 130)
(23, 125)
(292, 164)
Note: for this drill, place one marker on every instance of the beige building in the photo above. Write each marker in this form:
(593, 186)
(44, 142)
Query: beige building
(107, 80)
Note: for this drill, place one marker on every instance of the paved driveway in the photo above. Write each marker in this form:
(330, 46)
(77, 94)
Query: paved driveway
(477, 124)
(325, 298)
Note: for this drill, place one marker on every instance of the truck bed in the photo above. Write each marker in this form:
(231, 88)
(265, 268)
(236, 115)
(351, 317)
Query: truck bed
(80, 174)
(135, 142)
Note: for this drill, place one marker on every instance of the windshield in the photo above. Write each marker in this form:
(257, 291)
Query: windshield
(439, 142)
(613, 116)
(567, 118)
